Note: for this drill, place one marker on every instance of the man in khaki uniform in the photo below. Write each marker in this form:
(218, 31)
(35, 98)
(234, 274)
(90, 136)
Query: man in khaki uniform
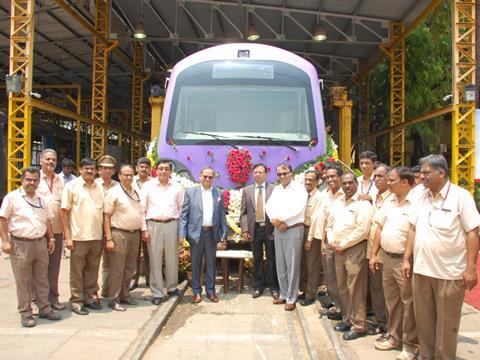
(443, 239)
(106, 169)
(375, 279)
(25, 219)
(311, 267)
(349, 223)
(390, 239)
(50, 188)
(122, 220)
(82, 219)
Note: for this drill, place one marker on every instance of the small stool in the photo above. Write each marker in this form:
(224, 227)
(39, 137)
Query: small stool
(226, 255)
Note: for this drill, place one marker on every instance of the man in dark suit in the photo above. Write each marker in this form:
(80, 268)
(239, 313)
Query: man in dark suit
(203, 224)
(257, 229)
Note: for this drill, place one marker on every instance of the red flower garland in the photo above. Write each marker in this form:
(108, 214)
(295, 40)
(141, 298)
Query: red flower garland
(239, 165)
(226, 198)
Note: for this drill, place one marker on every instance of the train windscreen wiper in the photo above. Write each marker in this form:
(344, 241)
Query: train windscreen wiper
(272, 140)
(215, 136)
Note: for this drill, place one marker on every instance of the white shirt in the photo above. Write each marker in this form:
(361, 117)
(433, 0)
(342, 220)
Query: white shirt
(66, 178)
(257, 189)
(368, 190)
(288, 204)
(207, 203)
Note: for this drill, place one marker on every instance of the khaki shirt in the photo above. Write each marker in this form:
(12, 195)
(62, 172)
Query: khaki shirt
(138, 184)
(125, 208)
(394, 219)
(441, 226)
(317, 229)
(104, 186)
(312, 203)
(51, 191)
(377, 205)
(349, 221)
(26, 216)
(86, 209)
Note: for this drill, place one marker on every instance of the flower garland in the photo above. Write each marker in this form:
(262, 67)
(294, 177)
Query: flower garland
(331, 155)
(239, 166)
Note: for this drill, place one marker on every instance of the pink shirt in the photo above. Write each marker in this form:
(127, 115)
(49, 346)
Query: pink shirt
(161, 202)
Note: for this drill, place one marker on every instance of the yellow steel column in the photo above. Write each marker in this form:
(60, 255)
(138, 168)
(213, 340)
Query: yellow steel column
(463, 118)
(364, 113)
(99, 78)
(340, 100)
(397, 95)
(137, 100)
(19, 105)
(157, 108)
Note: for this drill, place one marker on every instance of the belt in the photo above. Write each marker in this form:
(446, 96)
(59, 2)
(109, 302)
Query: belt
(162, 221)
(260, 224)
(394, 255)
(294, 226)
(26, 239)
(127, 231)
(207, 228)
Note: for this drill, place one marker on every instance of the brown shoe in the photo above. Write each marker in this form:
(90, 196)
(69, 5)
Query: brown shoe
(213, 298)
(197, 298)
(290, 307)
(279, 301)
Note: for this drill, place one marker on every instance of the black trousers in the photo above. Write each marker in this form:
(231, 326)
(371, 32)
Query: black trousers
(264, 276)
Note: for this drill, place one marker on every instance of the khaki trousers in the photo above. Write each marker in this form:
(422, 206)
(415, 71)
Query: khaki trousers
(29, 259)
(438, 308)
(163, 237)
(330, 275)
(122, 263)
(311, 270)
(352, 275)
(84, 266)
(54, 269)
(377, 297)
(399, 300)
(105, 271)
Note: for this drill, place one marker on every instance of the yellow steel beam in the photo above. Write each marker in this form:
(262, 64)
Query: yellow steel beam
(19, 106)
(463, 116)
(364, 91)
(397, 94)
(157, 107)
(137, 99)
(340, 100)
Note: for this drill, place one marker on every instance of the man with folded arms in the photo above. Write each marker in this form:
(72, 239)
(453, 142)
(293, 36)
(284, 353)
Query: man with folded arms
(443, 239)
(122, 220)
(25, 219)
(391, 238)
(82, 220)
(51, 188)
(286, 210)
(349, 223)
(162, 200)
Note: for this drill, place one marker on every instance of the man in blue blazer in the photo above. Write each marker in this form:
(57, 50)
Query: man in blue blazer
(203, 224)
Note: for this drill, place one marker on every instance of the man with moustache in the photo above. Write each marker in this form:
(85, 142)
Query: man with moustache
(366, 183)
(203, 224)
(391, 238)
(286, 210)
(25, 220)
(51, 188)
(122, 220)
(349, 224)
(443, 239)
(82, 220)
(143, 175)
(257, 228)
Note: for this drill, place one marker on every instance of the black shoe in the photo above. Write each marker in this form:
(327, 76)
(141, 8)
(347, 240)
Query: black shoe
(334, 316)
(301, 296)
(307, 302)
(117, 307)
(274, 293)
(80, 310)
(94, 306)
(352, 335)
(341, 327)
(175, 292)
(129, 302)
(257, 293)
(327, 305)
(133, 286)
(156, 301)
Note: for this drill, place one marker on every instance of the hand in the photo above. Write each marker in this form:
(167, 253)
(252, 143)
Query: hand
(145, 236)
(365, 197)
(469, 279)
(110, 246)
(275, 222)
(69, 244)
(373, 263)
(406, 269)
(246, 236)
(51, 246)
(282, 226)
(324, 248)
(308, 246)
(7, 247)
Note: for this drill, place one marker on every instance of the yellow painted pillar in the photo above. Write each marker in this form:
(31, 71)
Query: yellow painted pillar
(157, 107)
(340, 100)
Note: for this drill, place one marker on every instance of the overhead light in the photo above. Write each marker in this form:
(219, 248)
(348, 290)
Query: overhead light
(139, 32)
(320, 34)
(252, 33)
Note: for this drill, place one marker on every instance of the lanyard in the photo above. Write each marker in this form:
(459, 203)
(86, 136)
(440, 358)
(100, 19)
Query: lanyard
(126, 192)
(445, 198)
(369, 187)
(39, 206)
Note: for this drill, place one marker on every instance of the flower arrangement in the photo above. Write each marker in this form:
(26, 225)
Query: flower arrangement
(152, 154)
(239, 166)
(184, 260)
(331, 155)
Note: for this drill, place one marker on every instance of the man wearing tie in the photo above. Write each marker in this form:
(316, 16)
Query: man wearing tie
(203, 224)
(257, 228)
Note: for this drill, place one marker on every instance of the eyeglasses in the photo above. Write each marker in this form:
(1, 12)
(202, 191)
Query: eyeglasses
(207, 177)
(283, 173)
(31, 180)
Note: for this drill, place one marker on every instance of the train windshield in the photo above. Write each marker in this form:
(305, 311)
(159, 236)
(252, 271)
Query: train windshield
(244, 101)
